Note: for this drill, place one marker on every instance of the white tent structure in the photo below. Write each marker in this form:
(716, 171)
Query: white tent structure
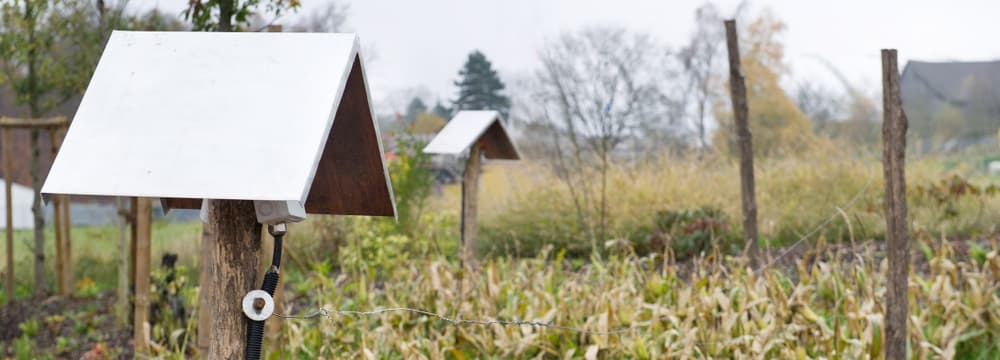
(21, 200)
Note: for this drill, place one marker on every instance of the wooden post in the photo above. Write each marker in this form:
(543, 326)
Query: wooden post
(205, 279)
(121, 304)
(57, 230)
(738, 92)
(63, 285)
(237, 234)
(9, 216)
(67, 224)
(894, 126)
(133, 207)
(143, 230)
(470, 189)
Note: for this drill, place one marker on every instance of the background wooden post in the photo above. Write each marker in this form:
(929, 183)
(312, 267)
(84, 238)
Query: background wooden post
(738, 92)
(143, 218)
(894, 126)
(121, 304)
(67, 226)
(9, 216)
(63, 286)
(133, 207)
(470, 189)
(205, 279)
(234, 226)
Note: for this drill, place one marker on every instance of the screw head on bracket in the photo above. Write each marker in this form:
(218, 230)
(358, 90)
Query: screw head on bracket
(258, 305)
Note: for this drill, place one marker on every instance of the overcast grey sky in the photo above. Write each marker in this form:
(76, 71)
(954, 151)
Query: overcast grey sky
(425, 42)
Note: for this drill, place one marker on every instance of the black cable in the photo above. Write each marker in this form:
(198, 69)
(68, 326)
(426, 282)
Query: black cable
(276, 257)
(255, 328)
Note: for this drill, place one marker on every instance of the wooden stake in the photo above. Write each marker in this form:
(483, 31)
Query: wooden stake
(62, 284)
(57, 229)
(133, 207)
(894, 126)
(67, 224)
(740, 114)
(470, 190)
(237, 247)
(9, 216)
(143, 218)
(205, 279)
(121, 305)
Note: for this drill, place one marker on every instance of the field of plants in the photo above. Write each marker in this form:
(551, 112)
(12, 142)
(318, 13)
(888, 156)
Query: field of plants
(669, 281)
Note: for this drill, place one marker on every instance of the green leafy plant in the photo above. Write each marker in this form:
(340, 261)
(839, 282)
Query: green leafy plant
(87, 287)
(690, 232)
(412, 179)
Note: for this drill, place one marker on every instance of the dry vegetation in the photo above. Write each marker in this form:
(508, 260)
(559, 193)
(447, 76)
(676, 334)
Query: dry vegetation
(819, 307)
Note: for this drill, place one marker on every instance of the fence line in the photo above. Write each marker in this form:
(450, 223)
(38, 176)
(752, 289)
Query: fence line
(457, 321)
(823, 224)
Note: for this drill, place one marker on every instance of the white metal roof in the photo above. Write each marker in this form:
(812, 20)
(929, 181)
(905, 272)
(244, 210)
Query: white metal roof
(217, 116)
(466, 128)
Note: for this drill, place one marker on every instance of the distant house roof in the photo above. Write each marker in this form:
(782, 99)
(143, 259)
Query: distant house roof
(466, 128)
(955, 83)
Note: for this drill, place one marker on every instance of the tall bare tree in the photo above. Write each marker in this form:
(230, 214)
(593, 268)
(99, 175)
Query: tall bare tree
(700, 60)
(598, 88)
(332, 17)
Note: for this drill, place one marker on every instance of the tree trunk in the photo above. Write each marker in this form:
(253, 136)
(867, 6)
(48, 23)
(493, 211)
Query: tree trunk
(894, 126)
(237, 246)
(740, 114)
(226, 15)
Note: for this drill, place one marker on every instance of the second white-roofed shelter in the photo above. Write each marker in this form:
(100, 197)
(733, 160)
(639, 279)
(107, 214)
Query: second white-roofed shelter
(269, 126)
(477, 134)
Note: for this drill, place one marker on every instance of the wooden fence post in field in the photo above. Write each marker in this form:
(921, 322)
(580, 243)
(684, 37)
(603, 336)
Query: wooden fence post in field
(9, 215)
(470, 192)
(738, 93)
(233, 225)
(143, 218)
(894, 126)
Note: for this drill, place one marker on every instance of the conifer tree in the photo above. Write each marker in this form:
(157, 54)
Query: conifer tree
(479, 87)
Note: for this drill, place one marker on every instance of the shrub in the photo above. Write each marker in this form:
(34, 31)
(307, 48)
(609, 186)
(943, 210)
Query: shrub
(691, 232)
